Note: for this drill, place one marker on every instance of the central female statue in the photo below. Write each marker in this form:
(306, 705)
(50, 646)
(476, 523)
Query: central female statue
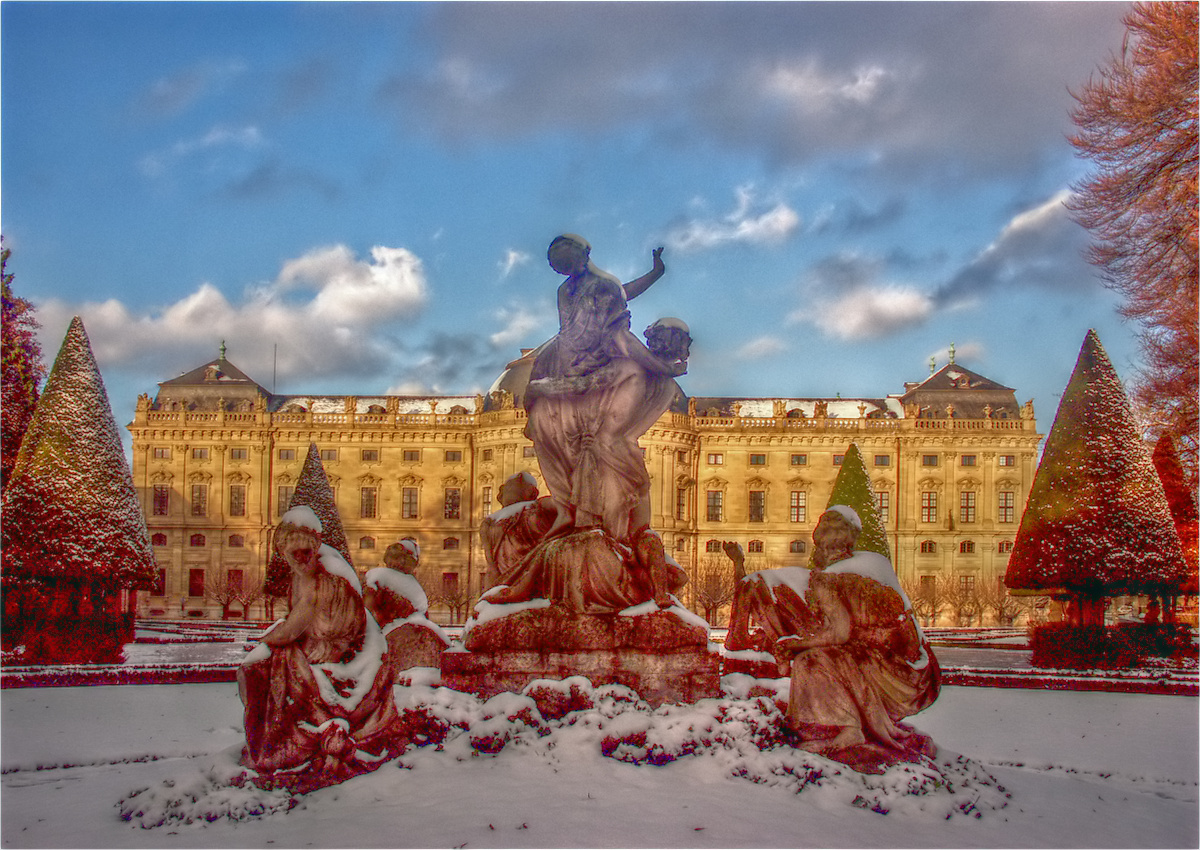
(593, 390)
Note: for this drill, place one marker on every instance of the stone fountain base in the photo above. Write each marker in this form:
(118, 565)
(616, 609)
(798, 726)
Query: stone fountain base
(661, 655)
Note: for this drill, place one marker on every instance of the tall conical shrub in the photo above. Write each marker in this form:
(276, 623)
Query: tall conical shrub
(1096, 523)
(312, 490)
(73, 528)
(852, 488)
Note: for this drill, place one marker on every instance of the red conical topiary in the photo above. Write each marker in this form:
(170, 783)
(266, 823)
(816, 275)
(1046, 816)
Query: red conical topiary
(74, 535)
(313, 490)
(1096, 523)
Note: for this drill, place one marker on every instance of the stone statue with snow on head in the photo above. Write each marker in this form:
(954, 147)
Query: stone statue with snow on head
(317, 690)
(396, 599)
(845, 633)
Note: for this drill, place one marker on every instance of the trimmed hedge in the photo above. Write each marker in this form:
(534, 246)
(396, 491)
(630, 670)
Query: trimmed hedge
(1059, 645)
(96, 639)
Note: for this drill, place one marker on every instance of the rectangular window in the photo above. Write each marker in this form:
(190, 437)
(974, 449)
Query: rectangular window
(527, 451)
(199, 500)
(237, 499)
(716, 458)
(160, 583)
(927, 587)
(162, 499)
(200, 454)
(368, 502)
(329, 454)
(838, 460)
(758, 460)
(883, 501)
(285, 499)
(453, 456)
(162, 452)
(452, 508)
(716, 505)
(966, 584)
(408, 503)
(239, 454)
(966, 506)
(450, 543)
(196, 582)
(411, 455)
(799, 460)
(883, 460)
(967, 460)
(287, 454)
(234, 579)
(450, 585)
(487, 455)
(798, 506)
(758, 505)
(370, 455)
(487, 499)
(1008, 501)
(755, 547)
(681, 502)
(928, 547)
(1007, 460)
(928, 506)
(929, 460)
(681, 457)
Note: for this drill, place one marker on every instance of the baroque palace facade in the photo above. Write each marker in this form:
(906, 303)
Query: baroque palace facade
(216, 457)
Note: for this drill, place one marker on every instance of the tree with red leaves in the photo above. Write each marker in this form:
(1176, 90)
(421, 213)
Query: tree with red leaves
(1137, 121)
(1096, 523)
(23, 370)
(74, 540)
(1182, 503)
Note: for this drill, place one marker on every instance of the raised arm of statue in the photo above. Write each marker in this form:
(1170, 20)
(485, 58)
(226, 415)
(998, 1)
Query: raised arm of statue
(636, 287)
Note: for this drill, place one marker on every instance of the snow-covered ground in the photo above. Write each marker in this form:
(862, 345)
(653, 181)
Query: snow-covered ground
(1081, 770)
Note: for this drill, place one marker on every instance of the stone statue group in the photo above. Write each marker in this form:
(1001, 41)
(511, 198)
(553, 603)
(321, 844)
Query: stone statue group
(317, 690)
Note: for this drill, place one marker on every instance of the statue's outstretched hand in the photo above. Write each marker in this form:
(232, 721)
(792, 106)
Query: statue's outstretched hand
(656, 255)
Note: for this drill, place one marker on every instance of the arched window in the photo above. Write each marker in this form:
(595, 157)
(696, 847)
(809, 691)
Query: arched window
(1004, 547)
(237, 541)
(928, 547)
(159, 539)
(712, 546)
(755, 546)
(366, 543)
(798, 547)
(196, 540)
(967, 547)
(450, 543)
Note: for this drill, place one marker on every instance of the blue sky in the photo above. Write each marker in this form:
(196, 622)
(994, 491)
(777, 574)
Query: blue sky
(843, 189)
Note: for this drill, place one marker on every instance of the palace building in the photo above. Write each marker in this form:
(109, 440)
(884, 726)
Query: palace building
(216, 457)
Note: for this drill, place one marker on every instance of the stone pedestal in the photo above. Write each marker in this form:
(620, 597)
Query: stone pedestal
(659, 655)
(414, 645)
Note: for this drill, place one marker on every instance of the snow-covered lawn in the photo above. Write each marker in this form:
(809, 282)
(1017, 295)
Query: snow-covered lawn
(1083, 770)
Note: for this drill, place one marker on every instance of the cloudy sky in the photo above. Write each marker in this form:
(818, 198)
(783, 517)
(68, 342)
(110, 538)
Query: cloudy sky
(842, 189)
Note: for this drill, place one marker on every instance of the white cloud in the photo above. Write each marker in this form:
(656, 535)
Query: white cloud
(519, 322)
(743, 225)
(157, 163)
(868, 311)
(761, 348)
(812, 88)
(340, 328)
(512, 259)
